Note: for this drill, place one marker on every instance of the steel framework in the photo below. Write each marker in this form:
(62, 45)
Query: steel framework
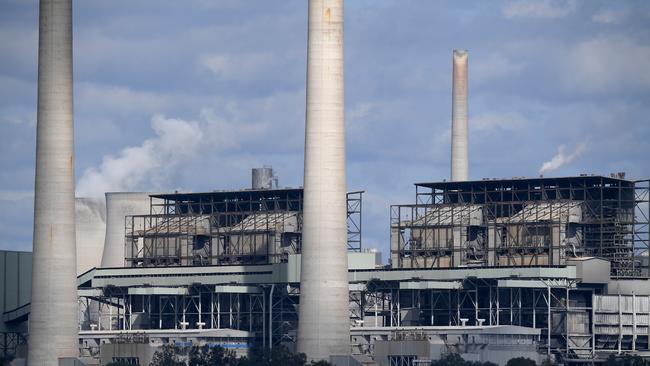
(225, 228)
(523, 222)
(269, 312)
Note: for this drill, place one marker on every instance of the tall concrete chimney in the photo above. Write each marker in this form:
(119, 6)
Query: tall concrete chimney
(53, 320)
(324, 326)
(459, 137)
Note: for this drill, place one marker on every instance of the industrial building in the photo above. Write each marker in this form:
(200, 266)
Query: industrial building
(491, 269)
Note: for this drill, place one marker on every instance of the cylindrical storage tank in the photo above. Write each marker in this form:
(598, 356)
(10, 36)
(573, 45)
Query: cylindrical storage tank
(53, 318)
(262, 178)
(324, 322)
(118, 206)
(459, 133)
(90, 227)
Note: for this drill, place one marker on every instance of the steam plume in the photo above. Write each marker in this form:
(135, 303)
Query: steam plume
(562, 158)
(176, 141)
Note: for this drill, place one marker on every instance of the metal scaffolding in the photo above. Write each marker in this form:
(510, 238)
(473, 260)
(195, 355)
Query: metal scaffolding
(355, 205)
(224, 228)
(216, 228)
(523, 222)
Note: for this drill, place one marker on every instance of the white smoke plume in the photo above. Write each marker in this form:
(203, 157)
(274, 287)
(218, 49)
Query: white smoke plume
(176, 141)
(562, 158)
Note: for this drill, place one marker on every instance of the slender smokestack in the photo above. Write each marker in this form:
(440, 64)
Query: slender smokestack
(53, 320)
(324, 326)
(459, 137)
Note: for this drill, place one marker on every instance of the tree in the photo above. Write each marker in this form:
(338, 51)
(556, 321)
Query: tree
(320, 363)
(170, 355)
(276, 356)
(454, 359)
(209, 356)
(626, 360)
(167, 356)
(521, 361)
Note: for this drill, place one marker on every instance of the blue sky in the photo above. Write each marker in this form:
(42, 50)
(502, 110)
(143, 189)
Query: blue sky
(190, 95)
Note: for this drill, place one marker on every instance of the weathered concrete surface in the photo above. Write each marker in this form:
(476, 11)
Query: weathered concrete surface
(53, 320)
(324, 328)
(459, 136)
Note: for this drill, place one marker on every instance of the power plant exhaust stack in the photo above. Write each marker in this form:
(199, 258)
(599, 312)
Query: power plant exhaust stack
(324, 327)
(53, 320)
(459, 135)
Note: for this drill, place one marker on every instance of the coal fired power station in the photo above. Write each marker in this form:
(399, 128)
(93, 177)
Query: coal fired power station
(491, 269)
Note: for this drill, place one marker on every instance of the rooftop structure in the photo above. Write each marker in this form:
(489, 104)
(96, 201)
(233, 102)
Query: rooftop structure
(252, 226)
(523, 222)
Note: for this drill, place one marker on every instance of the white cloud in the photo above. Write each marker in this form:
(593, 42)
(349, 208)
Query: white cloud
(359, 111)
(562, 158)
(539, 8)
(109, 98)
(493, 120)
(240, 67)
(13, 196)
(494, 66)
(609, 16)
(608, 64)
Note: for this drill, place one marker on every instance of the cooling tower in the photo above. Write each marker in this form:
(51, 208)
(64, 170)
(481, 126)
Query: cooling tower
(118, 206)
(324, 327)
(459, 136)
(90, 224)
(53, 320)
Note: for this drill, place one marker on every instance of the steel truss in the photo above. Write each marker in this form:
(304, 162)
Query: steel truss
(523, 222)
(9, 343)
(561, 304)
(224, 228)
(355, 205)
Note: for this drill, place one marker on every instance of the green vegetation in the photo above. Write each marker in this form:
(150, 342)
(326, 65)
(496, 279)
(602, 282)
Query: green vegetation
(521, 361)
(170, 355)
(207, 356)
(454, 359)
(626, 360)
